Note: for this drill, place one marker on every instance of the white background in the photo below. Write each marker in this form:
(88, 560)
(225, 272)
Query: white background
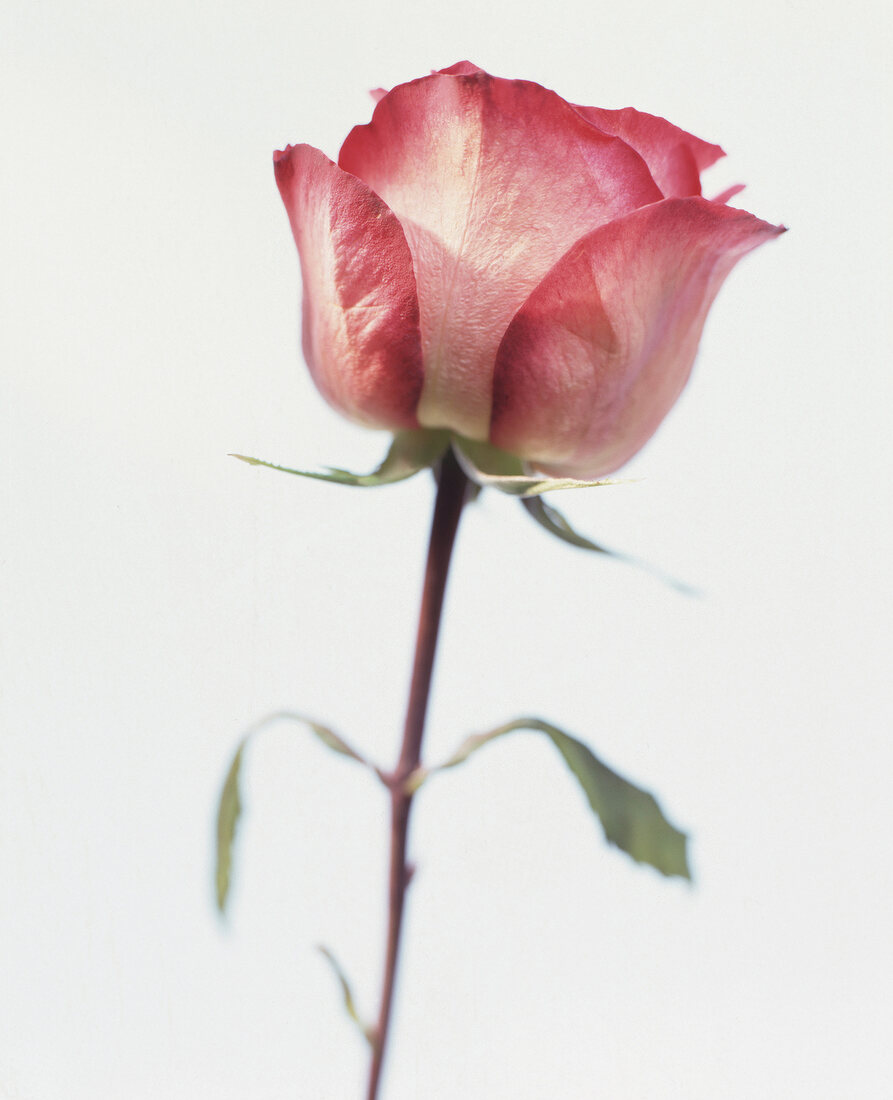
(158, 597)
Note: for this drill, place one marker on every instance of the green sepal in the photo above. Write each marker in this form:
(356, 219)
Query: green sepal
(409, 452)
(229, 808)
(490, 467)
(350, 1006)
(555, 523)
(630, 817)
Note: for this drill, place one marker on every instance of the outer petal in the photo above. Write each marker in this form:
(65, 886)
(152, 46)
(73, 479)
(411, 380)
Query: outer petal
(676, 158)
(493, 180)
(462, 68)
(361, 314)
(602, 348)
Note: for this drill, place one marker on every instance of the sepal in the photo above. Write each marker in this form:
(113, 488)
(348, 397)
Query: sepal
(409, 452)
(556, 524)
(490, 467)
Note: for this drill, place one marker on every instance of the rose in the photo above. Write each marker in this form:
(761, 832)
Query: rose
(490, 259)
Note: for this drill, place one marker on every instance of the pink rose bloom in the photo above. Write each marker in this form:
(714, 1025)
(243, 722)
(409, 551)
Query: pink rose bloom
(489, 259)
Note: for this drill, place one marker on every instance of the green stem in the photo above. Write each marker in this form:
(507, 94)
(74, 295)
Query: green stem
(451, 494)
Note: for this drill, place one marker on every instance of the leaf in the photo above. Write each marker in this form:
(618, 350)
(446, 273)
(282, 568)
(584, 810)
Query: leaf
(409, 452)
(229, 809)
(366, 1030)
(555, 523)
(489, 467)
(228, 813)
(630, 817)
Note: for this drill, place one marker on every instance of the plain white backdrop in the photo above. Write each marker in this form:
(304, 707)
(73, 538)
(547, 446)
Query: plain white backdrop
(158, 597)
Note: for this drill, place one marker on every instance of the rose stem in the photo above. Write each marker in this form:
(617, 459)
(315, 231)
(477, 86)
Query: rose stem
(451, 493)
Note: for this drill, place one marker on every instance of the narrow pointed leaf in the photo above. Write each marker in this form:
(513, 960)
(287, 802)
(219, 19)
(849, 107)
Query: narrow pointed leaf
(347, 993)
(229, 809)
(228, 813)
(556, 524)
(409, 452)
(630, 817)
(329, 738)
(491, 468)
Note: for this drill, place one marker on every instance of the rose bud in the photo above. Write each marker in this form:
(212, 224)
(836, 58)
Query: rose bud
(490, 259)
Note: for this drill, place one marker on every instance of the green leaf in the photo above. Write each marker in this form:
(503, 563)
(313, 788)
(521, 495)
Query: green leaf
(409, 452)
(489, 467)
(229, 809)
(228, 813)
(555, 523)
(350, 1006)
(630, 817)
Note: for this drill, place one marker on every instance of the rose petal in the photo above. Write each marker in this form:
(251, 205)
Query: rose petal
(361, 316)
(493, 180)
(675, 157)
(461, 68)
(729, 193)
(600, 351)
